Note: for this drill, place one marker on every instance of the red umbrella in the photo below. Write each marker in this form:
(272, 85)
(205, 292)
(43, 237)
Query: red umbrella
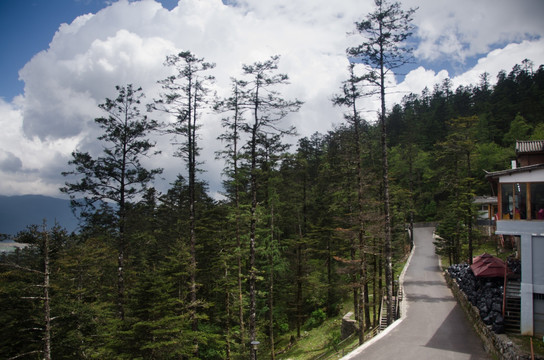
(487, 265)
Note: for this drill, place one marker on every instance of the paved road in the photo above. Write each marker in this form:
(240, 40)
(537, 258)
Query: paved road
(434, 327)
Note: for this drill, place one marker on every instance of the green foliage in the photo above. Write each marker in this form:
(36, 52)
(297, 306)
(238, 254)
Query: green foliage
(305, 210)
(316, 318)
(117, 175)
(519, 130)
(538, 132)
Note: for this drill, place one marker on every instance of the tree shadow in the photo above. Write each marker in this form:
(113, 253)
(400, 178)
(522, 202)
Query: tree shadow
(424, 283)
(428, 299)
(452, 335)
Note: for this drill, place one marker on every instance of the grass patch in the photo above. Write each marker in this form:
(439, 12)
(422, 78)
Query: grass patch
(315, 342)
(323, 342)
(525, 343)
(486, 245)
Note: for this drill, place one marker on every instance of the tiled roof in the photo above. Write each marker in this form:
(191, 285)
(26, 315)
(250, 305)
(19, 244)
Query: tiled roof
(496, 174)
(529, 146)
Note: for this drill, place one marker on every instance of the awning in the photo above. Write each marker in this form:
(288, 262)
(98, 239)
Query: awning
(487, 265)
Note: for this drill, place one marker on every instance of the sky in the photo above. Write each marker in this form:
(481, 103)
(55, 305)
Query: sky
(62, 58)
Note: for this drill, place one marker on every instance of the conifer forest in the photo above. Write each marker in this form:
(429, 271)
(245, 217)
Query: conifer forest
(301, 229)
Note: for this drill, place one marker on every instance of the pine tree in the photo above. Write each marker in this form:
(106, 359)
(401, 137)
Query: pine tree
(351, 92)
(267, 109)
(457, 182)
(231, 137)
(385, 30)
(29, 280)
(184, 97)
(117, 176)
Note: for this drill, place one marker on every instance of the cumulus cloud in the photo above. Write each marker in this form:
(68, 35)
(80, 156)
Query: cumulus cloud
(504, 59)
(127, 42)
(25, 162)
(468, 28)
(9, 162)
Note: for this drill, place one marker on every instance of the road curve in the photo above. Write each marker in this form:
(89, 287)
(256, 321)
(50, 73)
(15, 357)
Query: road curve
(434, 326)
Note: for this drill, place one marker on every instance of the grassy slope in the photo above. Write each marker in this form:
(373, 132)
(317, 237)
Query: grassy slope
(324, 341)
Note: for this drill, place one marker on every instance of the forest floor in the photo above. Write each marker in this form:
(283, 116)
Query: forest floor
(324, 342)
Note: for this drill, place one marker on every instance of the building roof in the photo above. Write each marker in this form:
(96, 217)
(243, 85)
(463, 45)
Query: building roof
(496, 174)
(485, 200)
(529, 146)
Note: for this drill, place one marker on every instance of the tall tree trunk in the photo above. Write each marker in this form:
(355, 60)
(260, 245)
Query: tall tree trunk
(330, 311)
(375, 288)
(120, 278)
(380, 281)
(299, 284)
(354, 281)
(122, 221)
(457, 237)
(362, 305)
(239, 251)
(121, 262)
(227, 310)
(367, 303)
(236, 177)
(302, 234)
(469, 205)
(192, 215)
(252, 234)
(386, 205)
(271, 286)
(46, 298)
(411, 189)
(361, 233)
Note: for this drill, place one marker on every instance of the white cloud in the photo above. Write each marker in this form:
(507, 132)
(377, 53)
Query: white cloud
(503, 59)
(24, 161)
(127, 42)
(466, 28)
(415, 82)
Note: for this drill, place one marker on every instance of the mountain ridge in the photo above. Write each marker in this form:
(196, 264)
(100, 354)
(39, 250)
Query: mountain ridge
(19, 211)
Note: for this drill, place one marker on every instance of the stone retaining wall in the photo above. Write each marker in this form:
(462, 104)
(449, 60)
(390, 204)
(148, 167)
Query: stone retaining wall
(349, 326)
(499, 345)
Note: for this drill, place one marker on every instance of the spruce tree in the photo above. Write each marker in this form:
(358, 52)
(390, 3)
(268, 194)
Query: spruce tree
(386, 31)
(351, 92)
(267, 109)
(234, 126)
(118, 175)
(184, 97)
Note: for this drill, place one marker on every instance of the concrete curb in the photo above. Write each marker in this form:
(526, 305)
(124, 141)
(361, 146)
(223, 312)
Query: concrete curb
(403, 310)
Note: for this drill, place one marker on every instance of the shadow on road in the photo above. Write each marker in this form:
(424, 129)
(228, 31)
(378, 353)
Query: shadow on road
(444, 335)
(423, 283)
(427, 298)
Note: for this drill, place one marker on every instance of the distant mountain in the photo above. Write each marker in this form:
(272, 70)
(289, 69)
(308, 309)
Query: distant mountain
(17, 212)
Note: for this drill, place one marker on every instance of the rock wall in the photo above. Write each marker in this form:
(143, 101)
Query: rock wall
(499, 345)
(349, 326)
(484, 293)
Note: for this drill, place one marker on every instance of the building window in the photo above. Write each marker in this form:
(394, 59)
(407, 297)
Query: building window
(537, 201)
(507, 201)
(520, 201)
(514, 201)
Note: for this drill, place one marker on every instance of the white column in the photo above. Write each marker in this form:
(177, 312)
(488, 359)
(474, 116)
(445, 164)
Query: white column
(526, 325)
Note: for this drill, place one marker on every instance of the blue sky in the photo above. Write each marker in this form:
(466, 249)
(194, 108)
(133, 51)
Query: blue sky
(70, 54)
(27, 27)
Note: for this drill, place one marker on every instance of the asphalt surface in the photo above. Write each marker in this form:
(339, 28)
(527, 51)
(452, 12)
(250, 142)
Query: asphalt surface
(434, 326)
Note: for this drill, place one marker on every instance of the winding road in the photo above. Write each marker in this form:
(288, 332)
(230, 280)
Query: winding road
(434, 325)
